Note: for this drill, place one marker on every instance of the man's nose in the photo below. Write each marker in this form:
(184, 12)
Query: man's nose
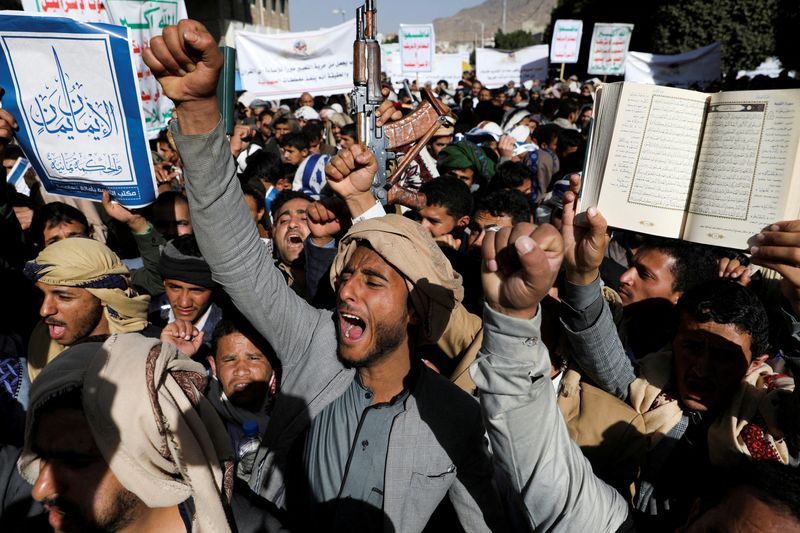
(48, 307)
(45, 484)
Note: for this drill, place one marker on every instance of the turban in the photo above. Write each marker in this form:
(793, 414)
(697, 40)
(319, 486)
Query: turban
(145, 407)
(435, 288)
(465, 154)
(173, 264)
(91, 265)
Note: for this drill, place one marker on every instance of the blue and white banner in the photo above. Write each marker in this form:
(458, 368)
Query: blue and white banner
(72, 88)
(16, 176)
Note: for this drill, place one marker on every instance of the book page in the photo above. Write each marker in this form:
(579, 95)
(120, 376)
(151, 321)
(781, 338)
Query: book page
(606, 101)
(651, 162)
(745, 168)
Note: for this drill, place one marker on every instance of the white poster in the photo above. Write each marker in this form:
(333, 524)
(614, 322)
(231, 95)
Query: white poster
(72, 89)
(146, 19)
(417, 46)
(284, 65)
(566, 44)
(608, 49)
(390, 61)
(495, 68)
(82, 10)
(448, 67)
(703, 66)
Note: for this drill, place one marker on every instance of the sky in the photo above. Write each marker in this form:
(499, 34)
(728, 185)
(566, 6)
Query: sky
(314, 14)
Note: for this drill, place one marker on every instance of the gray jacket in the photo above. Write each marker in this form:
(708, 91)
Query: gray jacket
(436, 446)
(529, 436)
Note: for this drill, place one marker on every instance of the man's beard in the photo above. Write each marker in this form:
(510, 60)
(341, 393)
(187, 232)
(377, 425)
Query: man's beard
(386, 339)
(123, 512)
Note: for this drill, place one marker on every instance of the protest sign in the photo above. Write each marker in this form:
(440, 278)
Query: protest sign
(416, 47)
(608, 49)
(16, 176)
(285, 65)
(390, 61)
(566, 43)
(448, 67)
(495, 68)
(702, 65)
(85, 10)
(72, 88)
(146, 19)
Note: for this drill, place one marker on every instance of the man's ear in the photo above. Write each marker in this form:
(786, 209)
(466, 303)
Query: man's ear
(463, 222)
(213, 364)
(676, 295)
(757, 362)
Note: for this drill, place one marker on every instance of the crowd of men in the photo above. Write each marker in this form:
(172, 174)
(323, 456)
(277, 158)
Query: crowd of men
(270, 348)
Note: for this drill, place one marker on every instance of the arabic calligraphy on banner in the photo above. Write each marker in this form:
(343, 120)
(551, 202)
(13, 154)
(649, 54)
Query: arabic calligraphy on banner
(146, 19)
(609, 48)
(566, 43)
(416, 47)
(72, 90)
(495, 68)
(284, 65)
(83, 10)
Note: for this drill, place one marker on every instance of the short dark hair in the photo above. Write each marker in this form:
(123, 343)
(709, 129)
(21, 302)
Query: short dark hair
(774, 483)
(313, 131)
(546, 133)
(350, 131)
(566, 107)
(263, 113)
(510, 175)
(263, 164)
(57, 213)
(692, 263)
(296, 140)
(506, 202)
(285, 196)
(449, 192)
(567, 138)
(253, 192)
(726, 302)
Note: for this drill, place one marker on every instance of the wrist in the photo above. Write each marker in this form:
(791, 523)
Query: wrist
(577, 277)
(359, 203)
(197, 117)
(527, 313)
(321, 242)
(139, 225)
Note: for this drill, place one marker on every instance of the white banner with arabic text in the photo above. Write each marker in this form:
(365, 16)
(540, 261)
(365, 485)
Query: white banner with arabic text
(495, 68)
(702, 65)
(285, 65)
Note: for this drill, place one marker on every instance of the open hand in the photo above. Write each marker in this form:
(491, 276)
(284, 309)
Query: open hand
(778, 247)
(584, 248)
(520, 264)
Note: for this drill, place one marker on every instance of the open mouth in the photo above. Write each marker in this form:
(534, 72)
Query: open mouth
(56, 330)
(351, 326)
(294, 239)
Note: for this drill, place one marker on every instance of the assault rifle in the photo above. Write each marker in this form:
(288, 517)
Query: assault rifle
(419, 126)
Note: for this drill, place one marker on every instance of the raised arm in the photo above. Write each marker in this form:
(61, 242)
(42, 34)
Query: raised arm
(186, 61)
(586, 317)
(528, 434)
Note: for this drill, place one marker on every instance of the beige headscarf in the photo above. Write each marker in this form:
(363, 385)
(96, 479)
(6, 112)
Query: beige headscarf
(88, 264)
(144, 404)
(434, 286)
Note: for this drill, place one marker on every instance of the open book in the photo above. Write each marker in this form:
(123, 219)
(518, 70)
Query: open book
(713, 169)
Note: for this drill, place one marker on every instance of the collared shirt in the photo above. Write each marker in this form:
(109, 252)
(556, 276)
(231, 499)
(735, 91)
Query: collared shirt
(345, 451)
(201, 322)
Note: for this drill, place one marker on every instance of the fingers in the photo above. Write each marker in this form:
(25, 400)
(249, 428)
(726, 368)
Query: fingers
(789, 255)
(569, 200)
(170, 51)
(318, 213)
(386, 113)
(199, 43)
(197, 341)
(106, 201)
(180, 329)
(491, 243)
(7, 126)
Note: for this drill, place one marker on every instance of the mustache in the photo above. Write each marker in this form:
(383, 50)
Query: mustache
(51, 322)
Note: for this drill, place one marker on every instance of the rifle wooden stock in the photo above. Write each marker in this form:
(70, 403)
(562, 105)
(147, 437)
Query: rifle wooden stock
(414, 126)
